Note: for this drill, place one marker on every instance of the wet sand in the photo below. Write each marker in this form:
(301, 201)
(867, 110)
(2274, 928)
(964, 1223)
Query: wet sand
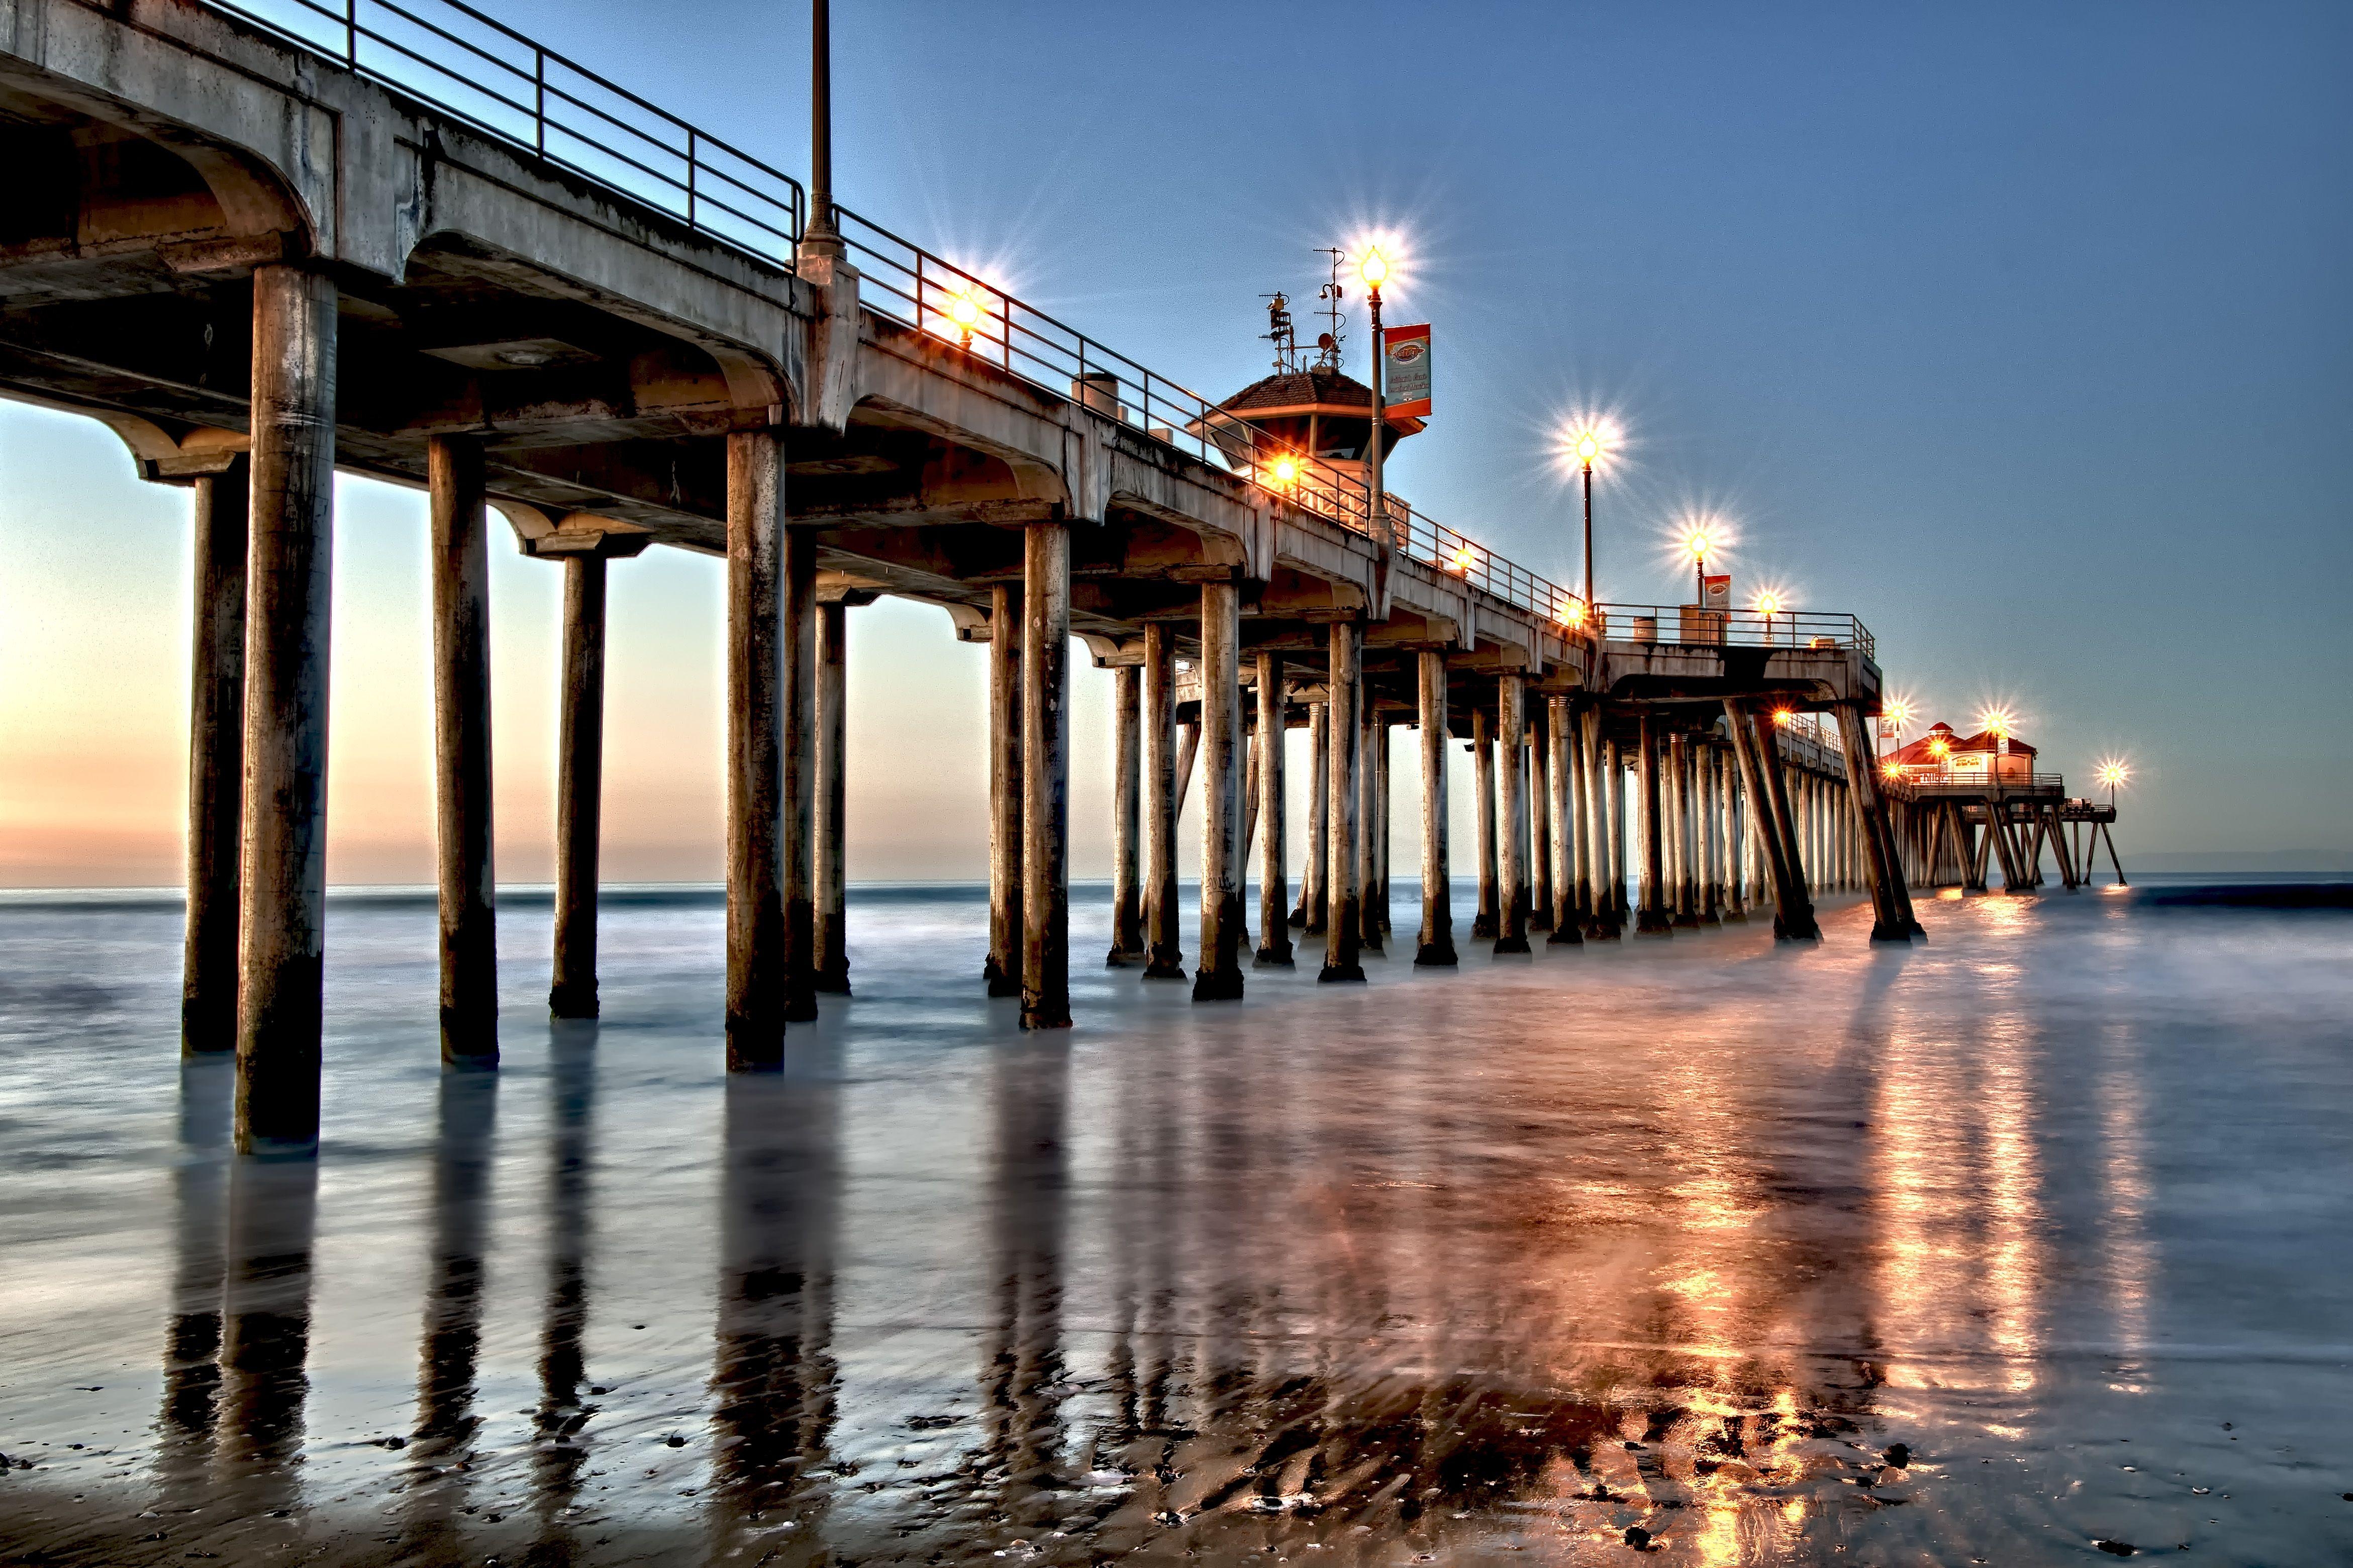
(1991, 1250)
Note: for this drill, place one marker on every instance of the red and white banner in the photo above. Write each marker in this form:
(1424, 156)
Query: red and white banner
(1405, 371)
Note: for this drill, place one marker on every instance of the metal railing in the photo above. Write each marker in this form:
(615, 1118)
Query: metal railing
(939, 299)
(492, 77)
(1691, 626)
(1975, 782)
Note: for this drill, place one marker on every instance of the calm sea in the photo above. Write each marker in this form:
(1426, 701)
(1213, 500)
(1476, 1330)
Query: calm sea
(2025, 1245)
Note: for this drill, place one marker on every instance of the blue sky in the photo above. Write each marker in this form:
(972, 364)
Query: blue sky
(2021, 332)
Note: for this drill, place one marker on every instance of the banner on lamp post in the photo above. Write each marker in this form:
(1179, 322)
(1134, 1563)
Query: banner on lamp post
(1715, 593)
(1404, 371)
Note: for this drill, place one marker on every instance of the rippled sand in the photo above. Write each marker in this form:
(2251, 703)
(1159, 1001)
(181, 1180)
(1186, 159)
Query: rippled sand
(1990, 1250)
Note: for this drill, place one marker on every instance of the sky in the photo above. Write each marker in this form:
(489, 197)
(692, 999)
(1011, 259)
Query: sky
(2021, 332)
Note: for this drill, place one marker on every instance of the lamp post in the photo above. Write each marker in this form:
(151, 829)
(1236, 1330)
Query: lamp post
(1375, 269)
(2113, 776)
(1769, 604)
(1696, 542)
(1588, 446)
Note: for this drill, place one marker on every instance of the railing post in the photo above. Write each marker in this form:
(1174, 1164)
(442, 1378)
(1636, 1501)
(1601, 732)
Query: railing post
(690, 176)
(351, 33)
(539, 100)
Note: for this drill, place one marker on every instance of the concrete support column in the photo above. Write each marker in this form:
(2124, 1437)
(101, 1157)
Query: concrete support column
(1368, 827)
(1313, 901)
(1002, 971)
(215, 762)
(1711, 829)
(1601, 789)
(1589, 843)
(1046, 776)
(757, 712)
(282, 896)
(1344, 889)
(1686, 838)
(1436, 947)
(1793, 905)
(1381, 839)
(832, 975)
(462, 735)
(1621, 864)
(1566, 797)
(579, 789)
(1736, 841)
(1218, 975)
(1489, 917)
(1891, 919)
(1541, 816)
(1164, 957)
(1511, 810)
(1126, 819)
(1653, 919)
(1273, 812)
(797, 640)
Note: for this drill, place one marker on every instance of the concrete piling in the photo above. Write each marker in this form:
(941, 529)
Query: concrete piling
(1566, 852)
(1489, 916)
(579, 789)
(1436, 946)
(1127, 818)
(832, 976)
(1046, 776)
(215, 762)
(1165, 959)
(1793, 904)
(1512, 809)
(1369, 828)
(1002, 970)
(460, 561)
(1653, 919)
(757, 713)
(1344, 888)
(1218, 975)
(1540, 816)
(1274, 947)
(796, 860)
(1315, 904)
(282, 893)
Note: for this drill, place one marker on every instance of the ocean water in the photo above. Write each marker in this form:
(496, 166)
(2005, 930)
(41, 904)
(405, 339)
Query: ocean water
(2025, 1245)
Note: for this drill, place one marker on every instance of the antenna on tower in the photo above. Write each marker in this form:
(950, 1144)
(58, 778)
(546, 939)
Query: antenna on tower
(1280, 333)
(1327, 345)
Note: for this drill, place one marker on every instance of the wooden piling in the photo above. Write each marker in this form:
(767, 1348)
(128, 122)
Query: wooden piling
(461, 561)
(832, 836)
(1489, 917)
(215, 762)
(1002, 970)
(1046, 776)
(756, 714)
(1511, 809)
(282, 871)
(1165, 959)
(1436, 947)
(1126, 819)
(579, 789)
(1218, 976)
(1341, 935)
(1274, 947)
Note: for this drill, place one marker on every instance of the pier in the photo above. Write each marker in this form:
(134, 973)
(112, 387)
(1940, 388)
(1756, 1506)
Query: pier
(442, 256)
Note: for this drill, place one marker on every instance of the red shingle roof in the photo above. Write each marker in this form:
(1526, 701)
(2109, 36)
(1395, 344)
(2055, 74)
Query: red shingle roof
(1918, 756)
(1327, 388)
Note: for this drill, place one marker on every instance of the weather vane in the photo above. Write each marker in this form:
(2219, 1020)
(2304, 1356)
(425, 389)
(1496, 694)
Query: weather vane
(1280, 332)
(1327, 345)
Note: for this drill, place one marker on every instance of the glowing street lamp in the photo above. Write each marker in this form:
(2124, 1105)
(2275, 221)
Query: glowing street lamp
(2115, 775)
(1697, 542)
(1375, 271)
(965, 313)
(1588, 445)
(1769, 604)
(1285, 469)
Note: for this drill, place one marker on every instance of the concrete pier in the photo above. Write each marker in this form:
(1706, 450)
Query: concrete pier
(216, 761)
(1793, 905)
(1435, 946)
(1273, 818)
(1368, 827)
(1127, 817)
(1164, 958)
(1314, 900)
(1654, 917)
(798, 863)
(1343, 899)
(1218, 975)
(1002, 970)
(1046, 776)
(282, 898)
(1488, 918)
(1512, 812)
(579, 789)
(756, 714)
(832, 802)
(1892, 917)
(461, 570)
(1541, 849)
(1565, 796)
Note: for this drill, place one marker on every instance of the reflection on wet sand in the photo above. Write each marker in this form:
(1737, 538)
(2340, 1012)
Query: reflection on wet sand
(1679, 1274)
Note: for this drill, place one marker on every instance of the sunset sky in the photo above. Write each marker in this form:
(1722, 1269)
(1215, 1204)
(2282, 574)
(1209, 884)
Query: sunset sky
(2021, 333)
